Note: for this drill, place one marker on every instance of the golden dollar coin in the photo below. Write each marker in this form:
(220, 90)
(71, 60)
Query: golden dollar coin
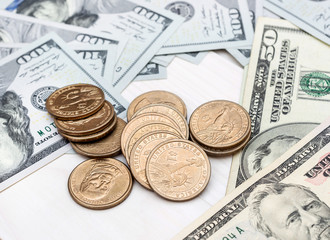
(217, 152)
(93, 123)
(108, 146)
(144, 130)
(169, 111)
(141, 151)
(100, 183)
(141, 120)
(155, 97)
(178, 170)
(75, 101)
(220, 124)
(92, 137)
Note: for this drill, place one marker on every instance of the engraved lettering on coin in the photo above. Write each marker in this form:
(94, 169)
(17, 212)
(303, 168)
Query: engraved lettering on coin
(141, 151)
(108, 146)
(39, 97)
(144, 130)
(178, 170)
(75, 101)
(141, 120)
(89, 125)
(168, 111)
(181, 8)
(92, 137)
(156, 97)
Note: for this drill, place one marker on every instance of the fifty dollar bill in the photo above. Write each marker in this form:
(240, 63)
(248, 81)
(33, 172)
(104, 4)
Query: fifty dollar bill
(287, 92)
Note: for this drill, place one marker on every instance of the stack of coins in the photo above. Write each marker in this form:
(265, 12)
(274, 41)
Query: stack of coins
(89, 122)
(220, 127)
(155, 145)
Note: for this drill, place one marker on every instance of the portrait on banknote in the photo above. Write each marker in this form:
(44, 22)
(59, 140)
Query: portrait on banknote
(75, 12)
(269, 145)
(300, 213)
(16, 145)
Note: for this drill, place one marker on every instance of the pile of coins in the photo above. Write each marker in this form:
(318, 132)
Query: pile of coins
(89, 122)
(220, 127)
(155, 145)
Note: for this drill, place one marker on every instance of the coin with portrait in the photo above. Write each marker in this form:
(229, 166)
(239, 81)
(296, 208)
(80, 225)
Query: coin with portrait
(100, 183)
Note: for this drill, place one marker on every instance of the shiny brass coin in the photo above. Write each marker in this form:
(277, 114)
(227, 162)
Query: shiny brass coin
(89, 125)
(144, 130)
(108, 146)
(220, 124)
(178, 170)
(75, 101)
(217, 152)
(141, 120)
(100, 183)
(155, 97)
(169, 111)
(140, 152)
(92, 137)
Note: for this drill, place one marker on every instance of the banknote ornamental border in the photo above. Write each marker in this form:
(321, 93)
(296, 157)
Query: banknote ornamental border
(211, 225)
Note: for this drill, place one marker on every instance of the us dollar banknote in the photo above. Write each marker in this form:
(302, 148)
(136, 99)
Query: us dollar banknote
(286, 93)
(287, 200)
(29, 138)
(242, 55)
(152, 71)
(146, 27)
(193, 57)
(313, 16)
(17, 30)
(101, 61)
(209, 25)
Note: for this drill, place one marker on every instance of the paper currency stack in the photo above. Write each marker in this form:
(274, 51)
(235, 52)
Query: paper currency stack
(47, 45)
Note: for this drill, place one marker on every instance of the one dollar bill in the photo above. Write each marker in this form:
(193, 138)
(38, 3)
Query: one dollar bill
(287, 92)
(289, 199)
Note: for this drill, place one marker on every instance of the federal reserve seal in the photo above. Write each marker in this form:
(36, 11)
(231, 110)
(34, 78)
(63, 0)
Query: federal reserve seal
(316, 84)
(182, 9)
(39, 97)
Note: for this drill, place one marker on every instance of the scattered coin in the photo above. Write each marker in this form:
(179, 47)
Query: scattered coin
(75, 101)
(144, 130)
(141, 120)
(92, 137)
(141, 150)
(220, 124)
(108, 146)
(155, 97)
(169, 111)
(100, 183)
(92, 124)
(178, 170)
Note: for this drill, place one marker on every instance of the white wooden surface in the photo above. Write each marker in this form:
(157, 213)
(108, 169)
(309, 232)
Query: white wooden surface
(40, 207)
